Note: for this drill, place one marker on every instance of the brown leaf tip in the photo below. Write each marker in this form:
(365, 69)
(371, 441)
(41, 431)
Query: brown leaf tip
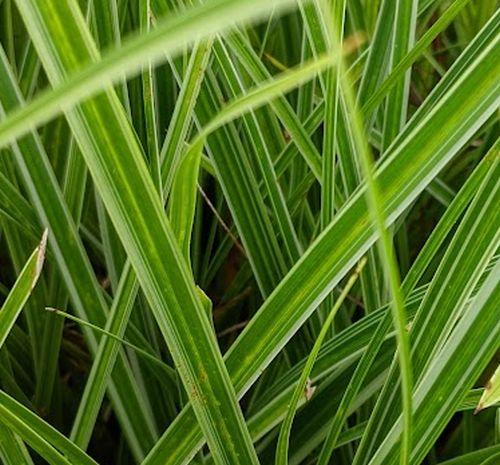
(479, 407)
(309, 389)
(40, 257)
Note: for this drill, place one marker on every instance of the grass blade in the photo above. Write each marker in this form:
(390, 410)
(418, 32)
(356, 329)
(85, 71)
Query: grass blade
(463, 263)
(169, 37)
(136, 211)
(46, 440)
(104, 360)
(195, 300)
(12, 450)
(284, 436)
(416, 158)
(388, 258)
(21, 290)
(449, 376)
(71, 258)
(182, 202)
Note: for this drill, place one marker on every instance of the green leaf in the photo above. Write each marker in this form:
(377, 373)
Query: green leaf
(104, 360)
(401, 67)
(15, 207)
(182, 202)
(326, 34)
(301, 388)
(387, 256)
(21, 290)
(73, 263)
(481, 456)
(116, 164)
(258, 72)
(183, 112)
(46, 440)
(161, 268)
(266, 91)
(169, 371)
(474, 243)
(403, 36)
(167, 38)
(257, 133)
(12, 449)
(475, 457)
(415, 158)
(465, 354)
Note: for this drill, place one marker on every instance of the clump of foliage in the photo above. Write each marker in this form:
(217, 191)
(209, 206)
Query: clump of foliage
(264, 231)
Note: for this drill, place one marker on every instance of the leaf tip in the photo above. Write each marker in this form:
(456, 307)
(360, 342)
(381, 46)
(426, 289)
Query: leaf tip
(50, 309)
(309, 389)
(40, 257)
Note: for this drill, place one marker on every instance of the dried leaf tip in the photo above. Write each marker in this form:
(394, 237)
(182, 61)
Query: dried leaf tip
(309, 389)
(40, 257)
(491, 394)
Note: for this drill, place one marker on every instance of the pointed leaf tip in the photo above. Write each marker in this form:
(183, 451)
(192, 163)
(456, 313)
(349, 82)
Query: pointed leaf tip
(491, 394)
(40, 257)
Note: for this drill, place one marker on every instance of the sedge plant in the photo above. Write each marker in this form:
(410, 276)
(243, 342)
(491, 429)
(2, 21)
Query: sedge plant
(249, 232)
